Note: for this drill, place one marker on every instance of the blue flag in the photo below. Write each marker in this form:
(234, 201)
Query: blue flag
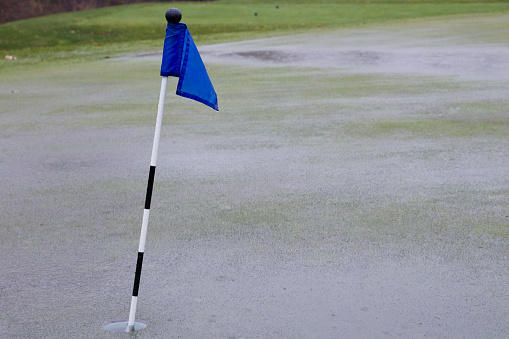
(181, 59)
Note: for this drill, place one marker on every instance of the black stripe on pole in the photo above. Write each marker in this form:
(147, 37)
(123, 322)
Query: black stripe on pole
(151, 176)
(137, 276)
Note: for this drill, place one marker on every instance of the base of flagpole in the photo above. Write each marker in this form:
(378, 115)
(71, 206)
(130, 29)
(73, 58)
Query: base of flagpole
(121, 326)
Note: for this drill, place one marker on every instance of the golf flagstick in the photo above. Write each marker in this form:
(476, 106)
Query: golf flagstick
(146, 211)
(131, 325)
(180, 59)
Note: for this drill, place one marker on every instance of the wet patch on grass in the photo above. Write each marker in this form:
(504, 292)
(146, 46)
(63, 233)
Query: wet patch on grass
(267, 55)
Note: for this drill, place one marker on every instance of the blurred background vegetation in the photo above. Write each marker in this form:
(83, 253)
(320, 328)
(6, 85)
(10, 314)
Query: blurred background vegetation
(12, 10)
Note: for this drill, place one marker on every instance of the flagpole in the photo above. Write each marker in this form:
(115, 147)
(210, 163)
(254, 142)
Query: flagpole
(193, 91)
(146, 211)
(172, 15)
(132, 325)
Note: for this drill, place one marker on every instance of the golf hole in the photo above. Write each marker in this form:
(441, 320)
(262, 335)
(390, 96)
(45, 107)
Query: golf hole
(121, 326)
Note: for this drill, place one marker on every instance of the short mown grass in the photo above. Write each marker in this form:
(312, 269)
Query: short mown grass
(105, 32)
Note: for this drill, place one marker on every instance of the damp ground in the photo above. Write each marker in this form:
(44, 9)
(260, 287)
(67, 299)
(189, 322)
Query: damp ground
(354, 184)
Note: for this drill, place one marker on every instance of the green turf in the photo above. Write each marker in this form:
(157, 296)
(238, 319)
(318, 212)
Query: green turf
(266, 106)
(394, 182)
(105, 32)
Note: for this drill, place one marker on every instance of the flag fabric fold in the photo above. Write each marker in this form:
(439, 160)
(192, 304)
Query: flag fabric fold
(181, 59)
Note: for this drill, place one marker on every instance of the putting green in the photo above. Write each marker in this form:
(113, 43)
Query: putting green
(353, 184)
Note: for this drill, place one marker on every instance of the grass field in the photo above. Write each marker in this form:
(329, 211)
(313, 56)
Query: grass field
(109, 31)
(353, 184)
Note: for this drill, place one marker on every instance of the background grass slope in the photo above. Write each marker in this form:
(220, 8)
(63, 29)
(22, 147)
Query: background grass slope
(140, 27)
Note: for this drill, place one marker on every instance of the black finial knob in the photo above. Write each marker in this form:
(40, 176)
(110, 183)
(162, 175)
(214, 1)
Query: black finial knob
(173, 15)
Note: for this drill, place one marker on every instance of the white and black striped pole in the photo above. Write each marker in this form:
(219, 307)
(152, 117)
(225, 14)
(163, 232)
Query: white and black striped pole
(146, 211)
(172, 15)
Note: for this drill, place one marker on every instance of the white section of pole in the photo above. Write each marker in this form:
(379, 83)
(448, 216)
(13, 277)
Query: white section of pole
(159, 121)
(146, 212)
(132, 313)
(144, 226)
